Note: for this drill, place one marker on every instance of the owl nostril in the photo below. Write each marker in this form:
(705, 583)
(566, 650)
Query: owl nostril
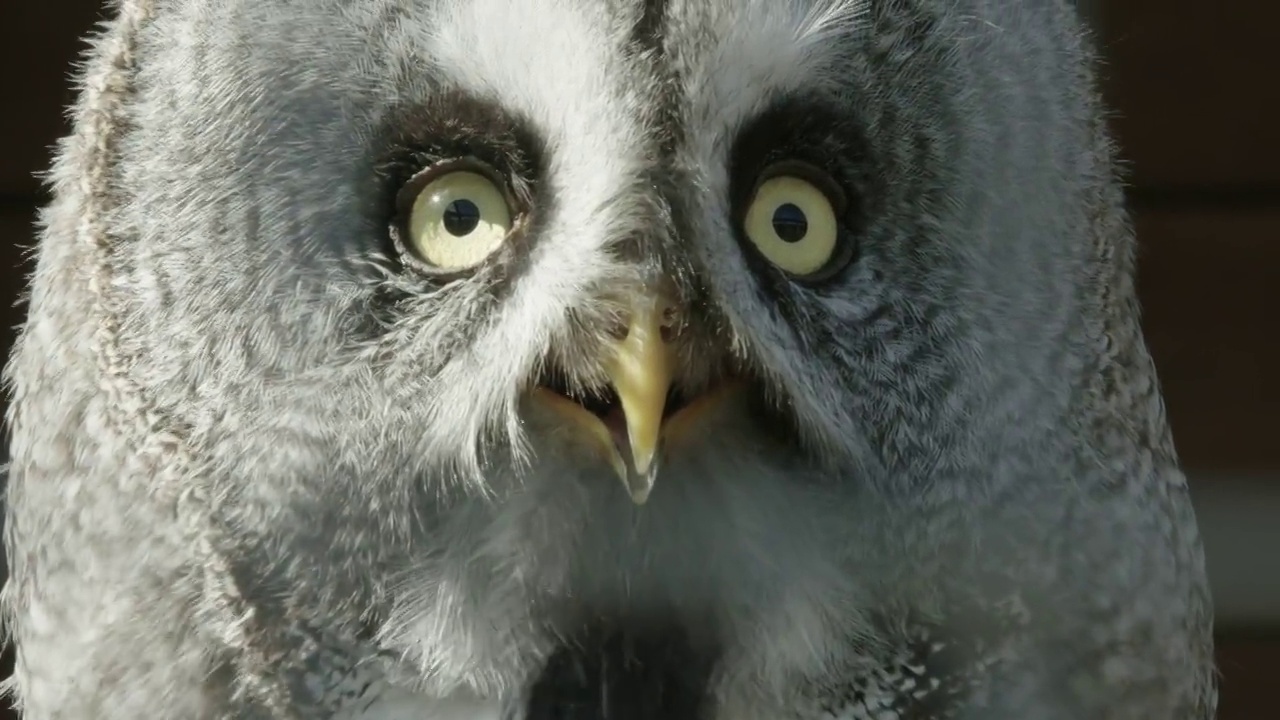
(669, 322)
(619, 328)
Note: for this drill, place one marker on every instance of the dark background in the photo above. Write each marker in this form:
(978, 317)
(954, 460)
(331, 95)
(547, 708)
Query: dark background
(1197, 112)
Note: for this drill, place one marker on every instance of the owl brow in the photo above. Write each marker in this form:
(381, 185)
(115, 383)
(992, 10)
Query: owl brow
(804, 127)
(455, 124)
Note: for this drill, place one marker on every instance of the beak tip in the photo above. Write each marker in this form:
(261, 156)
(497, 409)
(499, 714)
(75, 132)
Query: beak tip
(640, 470)
(643, 463)
(640, 483)
(640, 492)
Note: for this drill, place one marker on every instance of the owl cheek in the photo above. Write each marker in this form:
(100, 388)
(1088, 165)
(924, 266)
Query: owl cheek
(696, 423)
(586, 428)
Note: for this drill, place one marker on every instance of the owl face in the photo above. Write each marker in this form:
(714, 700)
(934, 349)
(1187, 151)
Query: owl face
(644, 352)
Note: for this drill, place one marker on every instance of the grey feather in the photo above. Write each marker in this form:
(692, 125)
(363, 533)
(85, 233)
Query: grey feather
(263, 467)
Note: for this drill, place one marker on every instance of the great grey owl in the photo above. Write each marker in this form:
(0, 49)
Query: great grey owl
(581, 359)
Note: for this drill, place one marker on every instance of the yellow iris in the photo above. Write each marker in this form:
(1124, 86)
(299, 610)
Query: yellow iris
(793, 225)
(458, 220)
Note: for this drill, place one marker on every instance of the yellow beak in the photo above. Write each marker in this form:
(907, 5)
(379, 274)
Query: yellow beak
(632, 436)
(640, 371)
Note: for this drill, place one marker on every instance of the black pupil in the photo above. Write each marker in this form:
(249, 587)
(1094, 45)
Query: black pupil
(790, 223)
(461, 217)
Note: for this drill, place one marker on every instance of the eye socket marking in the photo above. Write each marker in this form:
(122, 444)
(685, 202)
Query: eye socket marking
(795, 225)
(453, 218)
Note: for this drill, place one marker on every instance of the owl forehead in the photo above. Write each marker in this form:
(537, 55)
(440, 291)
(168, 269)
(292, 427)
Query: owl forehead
(606, 84)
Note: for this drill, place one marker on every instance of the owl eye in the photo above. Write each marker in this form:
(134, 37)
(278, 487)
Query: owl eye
(457, 220)
(793, 224)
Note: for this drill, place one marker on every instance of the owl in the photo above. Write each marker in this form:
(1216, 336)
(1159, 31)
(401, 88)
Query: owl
(583, 359)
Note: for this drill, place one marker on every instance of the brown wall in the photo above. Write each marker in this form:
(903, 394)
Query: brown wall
(1195, 88)
(1198, 116)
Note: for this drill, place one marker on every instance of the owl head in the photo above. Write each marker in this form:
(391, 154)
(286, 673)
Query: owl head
(466, 240)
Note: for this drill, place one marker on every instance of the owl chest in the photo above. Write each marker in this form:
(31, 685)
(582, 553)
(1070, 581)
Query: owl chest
(657, 677)
(661, 677)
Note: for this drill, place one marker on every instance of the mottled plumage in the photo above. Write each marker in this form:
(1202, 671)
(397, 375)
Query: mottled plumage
(289, 441)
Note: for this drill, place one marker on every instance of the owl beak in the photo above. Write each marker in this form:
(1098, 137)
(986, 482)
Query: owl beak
(640, 372)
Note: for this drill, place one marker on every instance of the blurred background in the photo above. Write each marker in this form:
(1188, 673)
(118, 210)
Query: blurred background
(1196, 101)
